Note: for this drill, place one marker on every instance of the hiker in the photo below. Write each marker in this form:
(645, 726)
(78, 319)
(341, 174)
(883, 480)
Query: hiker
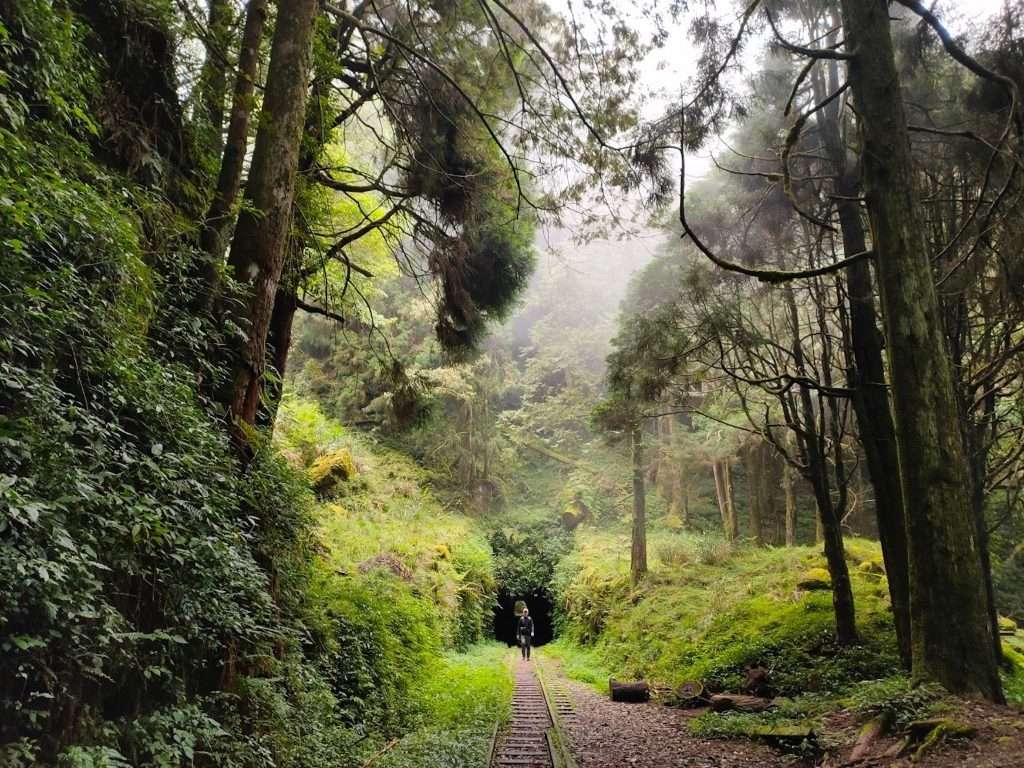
(525, 632)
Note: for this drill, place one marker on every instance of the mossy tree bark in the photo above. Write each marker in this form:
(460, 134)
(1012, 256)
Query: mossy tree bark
(789, 487)
(866, 376)
(723, 494)
(950, 629)
(229, 180)
(638, 553)
(258, 248)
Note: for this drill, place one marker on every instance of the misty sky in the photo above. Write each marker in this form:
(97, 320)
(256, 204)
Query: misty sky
(663, 72)
(667, 68)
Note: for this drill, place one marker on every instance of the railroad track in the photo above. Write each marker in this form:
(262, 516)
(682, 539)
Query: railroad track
(534, 736)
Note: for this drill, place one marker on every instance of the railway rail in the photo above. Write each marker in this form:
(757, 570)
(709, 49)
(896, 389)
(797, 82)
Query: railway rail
(535, 734)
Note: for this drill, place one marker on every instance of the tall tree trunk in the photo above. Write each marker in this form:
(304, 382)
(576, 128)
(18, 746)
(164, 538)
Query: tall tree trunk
(756, 489)
(638, 553)
(230, 178)
(867, 374)
(730, 501)
(716, 472)
(213, 79)
(951, 635)
(684, 500)
(789, 484)
(978, 452)
(769, 482)
(258, 249)
(279, 340)
(724, 496)
(812, 450)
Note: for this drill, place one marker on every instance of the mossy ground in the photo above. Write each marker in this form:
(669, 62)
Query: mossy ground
(402, 602)
(709, 610)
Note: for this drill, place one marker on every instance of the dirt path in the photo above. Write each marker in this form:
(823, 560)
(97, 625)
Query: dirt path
(607, 735)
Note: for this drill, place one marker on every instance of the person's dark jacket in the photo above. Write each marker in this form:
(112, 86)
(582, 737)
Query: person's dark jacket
(525, 628)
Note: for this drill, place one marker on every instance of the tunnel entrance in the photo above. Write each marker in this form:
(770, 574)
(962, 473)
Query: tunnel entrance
(539, 603)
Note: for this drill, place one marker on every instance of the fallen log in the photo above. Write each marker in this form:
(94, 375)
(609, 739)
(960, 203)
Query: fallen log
(635, 692)
(725, 702)
(868, 735)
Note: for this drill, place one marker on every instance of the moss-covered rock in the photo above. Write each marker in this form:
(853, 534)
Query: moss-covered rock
(575, 513)
(1007, 626)
(872, 567)
(815, 579)
(331, 470)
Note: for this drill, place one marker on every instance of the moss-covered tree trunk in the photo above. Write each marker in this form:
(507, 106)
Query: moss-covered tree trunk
(229, 179)
(789, 488)
(279, 342)
(638, 552)
(867, 376)
(950, 630)
(258, 249)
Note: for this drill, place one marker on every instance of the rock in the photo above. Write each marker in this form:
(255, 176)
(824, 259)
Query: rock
(815, 579)
(331, 470)
(1007, 626)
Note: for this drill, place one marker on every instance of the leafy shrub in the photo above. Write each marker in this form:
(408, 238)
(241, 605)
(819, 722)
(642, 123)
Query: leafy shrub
(712, 550)
(896, 699)
(138, 560)
(673, 553)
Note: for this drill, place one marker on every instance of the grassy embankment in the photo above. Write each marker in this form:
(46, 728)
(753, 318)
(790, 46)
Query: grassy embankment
(708, 611)
(406, 588)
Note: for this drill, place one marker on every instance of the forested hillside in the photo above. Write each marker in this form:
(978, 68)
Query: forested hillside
(333, 335)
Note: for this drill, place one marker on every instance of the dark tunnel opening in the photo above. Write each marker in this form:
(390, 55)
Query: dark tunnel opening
(539, 603)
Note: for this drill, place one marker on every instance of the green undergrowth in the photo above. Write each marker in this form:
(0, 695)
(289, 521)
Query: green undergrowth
(384, 522)
(709, 610)
(463, 697)
(400, 582)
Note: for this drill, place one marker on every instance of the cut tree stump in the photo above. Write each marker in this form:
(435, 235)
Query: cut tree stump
(783, 736)
(635, 692)
(725, 702)
(689, 695)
